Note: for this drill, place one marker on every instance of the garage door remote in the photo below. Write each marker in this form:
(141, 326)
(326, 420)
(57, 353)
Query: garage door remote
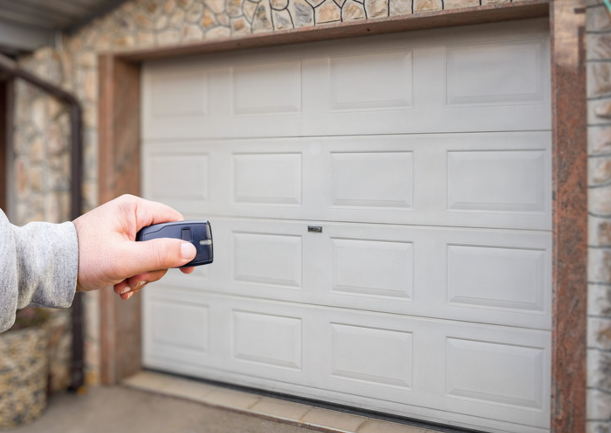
(198, 233)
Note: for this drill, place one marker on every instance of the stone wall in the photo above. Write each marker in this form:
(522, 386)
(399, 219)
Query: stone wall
(598, 34)
(41, 158)
(41, 134)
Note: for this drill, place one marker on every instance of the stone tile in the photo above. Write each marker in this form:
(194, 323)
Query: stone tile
(598, 46)
(177, 18)
(194, 13)
(328, 12)
(279, 4)
(162, 22)
(597, 20)
(223, 19)
(353, 11)
(427, 5)
(599, 334)
(457, 4)
(599, 78)
(249, 9)
(280, 408)
(143, 21)
(168, 37)
(302, 13)
(599, 201)
(219, 32)
(377, 426)
(331, 419)
(282, 20)
(599, 231)
(599, 170)
(400, 7)
(230, 398)
(192, 32)
(233, 8)
(376, 8)
(262, 20)
(216, 6)
(598, 405)
(598, 427)
(145, 39)
(124, 42)
(599, 370)
(599, 140)
(209, 19)
(169, 6)
(240, 27)
(169, 385)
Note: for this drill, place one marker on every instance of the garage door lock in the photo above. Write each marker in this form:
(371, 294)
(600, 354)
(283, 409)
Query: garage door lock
(315, 229)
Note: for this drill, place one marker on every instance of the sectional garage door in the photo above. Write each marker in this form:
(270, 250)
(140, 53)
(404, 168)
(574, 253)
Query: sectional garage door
(381, 211)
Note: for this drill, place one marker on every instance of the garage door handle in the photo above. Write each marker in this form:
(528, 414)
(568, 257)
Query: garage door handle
(315, 229)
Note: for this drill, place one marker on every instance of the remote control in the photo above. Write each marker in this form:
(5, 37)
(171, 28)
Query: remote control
(198, 233)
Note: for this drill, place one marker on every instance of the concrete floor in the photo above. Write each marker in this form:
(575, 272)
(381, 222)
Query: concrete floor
(124, 410)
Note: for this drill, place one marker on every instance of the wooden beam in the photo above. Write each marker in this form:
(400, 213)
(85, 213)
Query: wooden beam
(569, 132)
(119, 173)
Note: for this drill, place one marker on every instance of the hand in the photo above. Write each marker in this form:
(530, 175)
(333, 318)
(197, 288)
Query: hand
(109, 254)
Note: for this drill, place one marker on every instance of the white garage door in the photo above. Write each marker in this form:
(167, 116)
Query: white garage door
(425, 159)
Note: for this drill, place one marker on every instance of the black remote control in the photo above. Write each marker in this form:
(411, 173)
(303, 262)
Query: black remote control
(198, 233)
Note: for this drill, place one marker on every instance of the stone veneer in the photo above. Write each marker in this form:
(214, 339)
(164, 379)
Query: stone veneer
(598, 34)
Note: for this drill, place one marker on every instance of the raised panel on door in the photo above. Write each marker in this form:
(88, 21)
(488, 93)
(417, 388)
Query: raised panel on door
(496, 180)
(472, 374)
(486, 276)
(467, 79)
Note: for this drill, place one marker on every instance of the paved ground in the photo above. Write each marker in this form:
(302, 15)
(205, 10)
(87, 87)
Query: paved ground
(123, 410)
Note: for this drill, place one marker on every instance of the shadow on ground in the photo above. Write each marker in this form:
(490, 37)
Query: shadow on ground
(124, 410)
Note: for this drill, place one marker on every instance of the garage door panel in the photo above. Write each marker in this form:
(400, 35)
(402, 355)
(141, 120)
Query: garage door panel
(372, 267)
(499, 85)
(493, 372)
(496, 73)
(505, 181)
(261, 178)
(372, 179)
(267, 258)
(179, 329)
(490, 276)
(267, 339)
(371, 81)
(498, 180)
(510, 278)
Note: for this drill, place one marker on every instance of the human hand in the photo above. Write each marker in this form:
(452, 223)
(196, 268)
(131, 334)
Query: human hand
(109, 254)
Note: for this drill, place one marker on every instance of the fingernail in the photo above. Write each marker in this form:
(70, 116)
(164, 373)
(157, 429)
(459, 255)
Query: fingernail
(140, 284)
(187, 250)
(125, 290)
(129, 295)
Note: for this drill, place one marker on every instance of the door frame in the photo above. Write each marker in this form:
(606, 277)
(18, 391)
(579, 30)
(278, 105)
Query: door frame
(119, 173)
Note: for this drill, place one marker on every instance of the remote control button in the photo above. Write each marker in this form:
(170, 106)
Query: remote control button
(186, 234)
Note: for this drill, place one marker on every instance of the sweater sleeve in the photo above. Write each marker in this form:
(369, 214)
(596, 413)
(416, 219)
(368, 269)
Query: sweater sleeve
(38, 267)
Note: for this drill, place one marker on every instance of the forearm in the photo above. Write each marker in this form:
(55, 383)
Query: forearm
(38, 266)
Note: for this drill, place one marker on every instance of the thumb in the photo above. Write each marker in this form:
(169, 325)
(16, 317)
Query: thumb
(159, 254)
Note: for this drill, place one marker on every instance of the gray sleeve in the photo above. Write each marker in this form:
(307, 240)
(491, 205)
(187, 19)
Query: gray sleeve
(38, 267)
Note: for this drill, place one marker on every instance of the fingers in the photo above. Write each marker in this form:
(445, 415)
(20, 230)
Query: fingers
(187, 270)
(151, 212)
(156, 254)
